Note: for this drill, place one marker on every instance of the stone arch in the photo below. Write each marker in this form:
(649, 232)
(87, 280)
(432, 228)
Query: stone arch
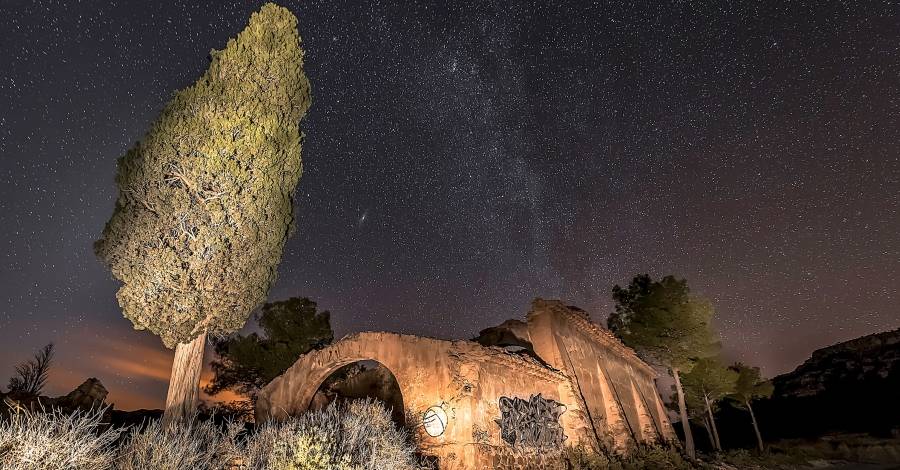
(292, 392)
(362, 380)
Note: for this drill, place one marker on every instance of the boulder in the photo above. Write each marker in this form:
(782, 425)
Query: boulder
(89, 394)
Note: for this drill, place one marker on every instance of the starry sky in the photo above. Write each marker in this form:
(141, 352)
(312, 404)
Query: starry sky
(463, 158)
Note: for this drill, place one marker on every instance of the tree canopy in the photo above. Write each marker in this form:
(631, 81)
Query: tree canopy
(749, 384)
(206, 197)
(709, 378)
(663, 322)
(290, 329)
(668, 327)
(748, 387)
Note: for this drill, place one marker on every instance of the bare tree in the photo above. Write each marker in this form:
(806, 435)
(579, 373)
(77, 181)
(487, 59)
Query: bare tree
(31, 375)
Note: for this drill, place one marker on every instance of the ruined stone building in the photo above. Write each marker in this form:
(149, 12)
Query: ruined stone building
(519, 392)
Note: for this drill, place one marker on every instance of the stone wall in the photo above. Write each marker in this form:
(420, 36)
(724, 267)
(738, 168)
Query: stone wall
(569, 382)
(617, 388)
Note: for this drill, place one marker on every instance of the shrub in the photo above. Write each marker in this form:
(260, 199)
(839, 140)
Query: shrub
(56, 441)
(358, 436)
(657, 457)
(191, 444)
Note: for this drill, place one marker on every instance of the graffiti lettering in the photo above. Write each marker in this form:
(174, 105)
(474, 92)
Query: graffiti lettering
(531, 423)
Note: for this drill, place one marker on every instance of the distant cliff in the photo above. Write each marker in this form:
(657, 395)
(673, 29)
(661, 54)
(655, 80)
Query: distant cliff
(852, 386)
(866, 360)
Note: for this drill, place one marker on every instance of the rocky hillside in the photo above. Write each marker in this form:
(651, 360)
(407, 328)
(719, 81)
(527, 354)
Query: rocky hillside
(868, 359)
(89, 394)
(852, 386)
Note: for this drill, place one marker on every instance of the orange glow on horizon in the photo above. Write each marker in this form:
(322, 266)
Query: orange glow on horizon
(136, 373)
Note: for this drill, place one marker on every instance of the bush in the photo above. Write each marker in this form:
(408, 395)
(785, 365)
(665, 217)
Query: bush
(657, 457)
(357, 436)
(193, 444)
(56, 441)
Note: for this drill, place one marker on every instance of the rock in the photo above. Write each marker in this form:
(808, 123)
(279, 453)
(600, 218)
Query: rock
(850, 387)
(870, 358)
(89, 394)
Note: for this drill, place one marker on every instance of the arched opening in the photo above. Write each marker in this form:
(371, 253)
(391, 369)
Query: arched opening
(362, 379)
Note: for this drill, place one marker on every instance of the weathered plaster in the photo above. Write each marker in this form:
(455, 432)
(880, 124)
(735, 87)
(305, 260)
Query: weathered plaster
(608, 392)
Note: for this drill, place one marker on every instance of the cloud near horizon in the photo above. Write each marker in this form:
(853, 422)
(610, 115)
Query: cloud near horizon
(133, 366)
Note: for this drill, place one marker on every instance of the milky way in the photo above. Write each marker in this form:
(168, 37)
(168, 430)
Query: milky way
(464, 158)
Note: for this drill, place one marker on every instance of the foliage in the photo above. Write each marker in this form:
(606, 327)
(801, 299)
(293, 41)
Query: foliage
(662, 321)
(749, 385)
(696, 409)
(191, 444)
(206, 197)
(582, 458)
(290, 328)
(56, 441)
(359, 436)
(707, 383)
(238, 410)
(641, 457)
(31, 375)
(355, 436)
(752, 460)
(709, 379)
(666, 325)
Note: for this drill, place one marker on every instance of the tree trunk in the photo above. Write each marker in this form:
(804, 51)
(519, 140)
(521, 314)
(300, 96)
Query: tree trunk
(712, 441)
(712, 420)
(759, 441)
(685, 424)
(184, 385)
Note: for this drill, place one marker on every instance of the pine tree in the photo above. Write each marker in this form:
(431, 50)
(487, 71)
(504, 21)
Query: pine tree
(290, 329)
(696, 411)
(710, 381)
(668, 327)
(206, 198)
(748, 387)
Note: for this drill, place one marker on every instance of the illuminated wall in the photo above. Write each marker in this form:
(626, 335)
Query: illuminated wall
(488, 407)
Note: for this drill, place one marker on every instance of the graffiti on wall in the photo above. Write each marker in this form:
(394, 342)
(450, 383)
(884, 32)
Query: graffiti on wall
(532, 423)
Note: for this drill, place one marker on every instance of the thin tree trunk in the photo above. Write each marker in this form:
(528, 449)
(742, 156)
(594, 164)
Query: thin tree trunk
(712, 420)
(685, 424)
(759, 440)
(712, 441)
(184, 385)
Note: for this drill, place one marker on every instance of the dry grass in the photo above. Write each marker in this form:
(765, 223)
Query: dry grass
(56, 441)
(356, 436)
(193, 444)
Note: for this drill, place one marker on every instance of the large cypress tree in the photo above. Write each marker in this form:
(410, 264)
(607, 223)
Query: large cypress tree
(668, 327)
(206, 198)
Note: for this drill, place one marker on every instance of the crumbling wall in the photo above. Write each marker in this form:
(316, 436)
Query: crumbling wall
(466, 380)
(616, 387)
(569, 382)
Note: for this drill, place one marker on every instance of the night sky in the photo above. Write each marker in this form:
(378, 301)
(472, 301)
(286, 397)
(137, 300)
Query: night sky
(464, 158)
